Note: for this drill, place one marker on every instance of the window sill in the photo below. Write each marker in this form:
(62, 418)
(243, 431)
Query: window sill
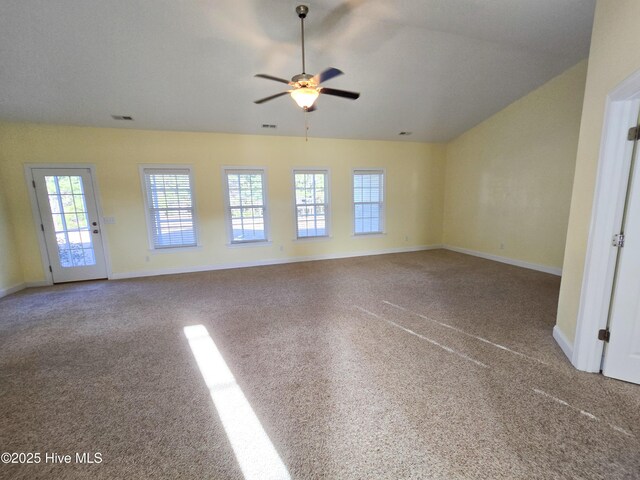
(262, 243)
(318, 238)
(162, 251)
(368, 235)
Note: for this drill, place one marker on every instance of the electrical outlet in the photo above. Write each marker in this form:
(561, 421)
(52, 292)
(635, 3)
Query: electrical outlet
(501, 246)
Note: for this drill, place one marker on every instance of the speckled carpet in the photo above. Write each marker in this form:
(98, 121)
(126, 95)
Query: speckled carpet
(427, 365)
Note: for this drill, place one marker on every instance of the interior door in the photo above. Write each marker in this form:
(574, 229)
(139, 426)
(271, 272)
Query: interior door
(70, 223)
(622, 353)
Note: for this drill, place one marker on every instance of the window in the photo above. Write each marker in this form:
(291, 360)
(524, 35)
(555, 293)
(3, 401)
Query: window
(246, 203)
(170, 207)
(312, 203)
(368, 201)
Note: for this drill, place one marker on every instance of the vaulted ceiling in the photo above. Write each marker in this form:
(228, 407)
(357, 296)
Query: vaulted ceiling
(431, 67)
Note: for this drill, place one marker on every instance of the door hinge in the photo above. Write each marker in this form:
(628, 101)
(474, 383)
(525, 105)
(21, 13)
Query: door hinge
(50, 269)
(42, 227)
(604, 335)
(33, 182)
(634, 134)
(618, 240)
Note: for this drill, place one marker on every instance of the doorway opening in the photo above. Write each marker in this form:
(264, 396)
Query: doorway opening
(616, 186)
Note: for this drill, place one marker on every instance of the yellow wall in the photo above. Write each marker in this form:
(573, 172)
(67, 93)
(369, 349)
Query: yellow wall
(10, 271)
(415, 174)
(508, 180)
(616, 26)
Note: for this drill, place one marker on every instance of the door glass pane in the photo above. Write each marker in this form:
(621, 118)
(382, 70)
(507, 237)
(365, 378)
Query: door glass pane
(54, 203)
(51, 185)
(58, 224)
(83, 221)
(76, 185)
(72, 221)
(73, 234)
(64, 184)
(78, 201)
(68, 203)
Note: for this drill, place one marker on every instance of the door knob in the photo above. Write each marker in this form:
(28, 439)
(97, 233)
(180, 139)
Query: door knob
(95, 231)
(95, 224)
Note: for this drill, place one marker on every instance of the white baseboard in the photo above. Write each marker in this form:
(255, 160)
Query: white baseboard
(41, 283)
(510, 261)
(16, 288)
(565, 345)
(275, 261)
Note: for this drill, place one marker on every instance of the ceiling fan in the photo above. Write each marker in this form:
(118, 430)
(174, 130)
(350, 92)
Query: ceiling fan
(306, 88)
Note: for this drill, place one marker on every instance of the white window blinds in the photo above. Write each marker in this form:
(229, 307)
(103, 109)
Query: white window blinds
(170, 207)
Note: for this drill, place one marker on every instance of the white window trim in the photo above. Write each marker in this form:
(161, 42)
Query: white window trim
(143, 184)
(254, 243)
(323, 238)
(369, 235)
(227, 207)
(327, 198)
(383, 210)
(162, 251)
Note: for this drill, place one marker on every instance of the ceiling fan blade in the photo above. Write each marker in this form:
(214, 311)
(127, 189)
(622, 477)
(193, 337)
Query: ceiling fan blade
(266, 99)
(328, 74)
(339, 93)
(271, 77)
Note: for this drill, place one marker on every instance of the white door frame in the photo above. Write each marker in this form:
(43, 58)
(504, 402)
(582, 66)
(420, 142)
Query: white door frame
(44, 256)
(614, 161)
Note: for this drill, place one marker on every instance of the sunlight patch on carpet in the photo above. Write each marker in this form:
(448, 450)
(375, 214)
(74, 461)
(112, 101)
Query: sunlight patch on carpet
(256, 455)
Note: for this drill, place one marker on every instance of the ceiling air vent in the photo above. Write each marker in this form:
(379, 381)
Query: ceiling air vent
(269, 125)
(122, 117)
(405, 133)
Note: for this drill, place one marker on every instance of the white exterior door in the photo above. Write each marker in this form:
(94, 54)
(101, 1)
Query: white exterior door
(70, 223)
(622, 354)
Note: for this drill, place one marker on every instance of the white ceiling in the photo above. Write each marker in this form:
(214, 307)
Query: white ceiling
(432, 67)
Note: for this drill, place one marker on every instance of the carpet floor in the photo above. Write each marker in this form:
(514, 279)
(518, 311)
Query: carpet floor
(426, 365)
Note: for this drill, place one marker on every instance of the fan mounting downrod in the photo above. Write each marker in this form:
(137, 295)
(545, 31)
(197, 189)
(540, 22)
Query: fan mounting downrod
(302, 11)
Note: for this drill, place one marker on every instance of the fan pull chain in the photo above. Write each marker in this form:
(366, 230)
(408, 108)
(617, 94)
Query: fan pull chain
(306, 126)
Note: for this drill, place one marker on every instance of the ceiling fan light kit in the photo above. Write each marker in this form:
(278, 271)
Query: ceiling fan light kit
(305, 97)
(306, 88)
